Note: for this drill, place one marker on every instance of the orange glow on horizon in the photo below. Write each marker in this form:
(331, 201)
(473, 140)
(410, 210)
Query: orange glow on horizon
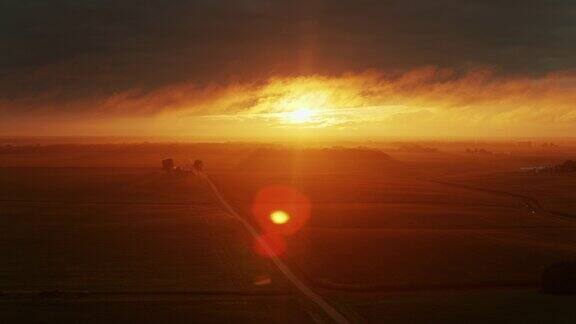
(426, 102)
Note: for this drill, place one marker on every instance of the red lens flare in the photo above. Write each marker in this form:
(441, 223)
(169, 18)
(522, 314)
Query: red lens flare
(280, 210)
(279, 217)
(269, 245)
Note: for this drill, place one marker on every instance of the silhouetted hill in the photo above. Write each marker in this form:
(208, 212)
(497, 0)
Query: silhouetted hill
(315, 160)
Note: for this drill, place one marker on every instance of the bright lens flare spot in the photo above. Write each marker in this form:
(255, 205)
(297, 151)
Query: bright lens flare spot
(279, 217)
(301, 116)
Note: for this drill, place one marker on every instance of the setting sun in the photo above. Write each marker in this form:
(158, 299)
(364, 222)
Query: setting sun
(301, 116)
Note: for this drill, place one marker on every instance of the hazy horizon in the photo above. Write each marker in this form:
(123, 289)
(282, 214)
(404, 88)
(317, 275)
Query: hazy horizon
(118, 139)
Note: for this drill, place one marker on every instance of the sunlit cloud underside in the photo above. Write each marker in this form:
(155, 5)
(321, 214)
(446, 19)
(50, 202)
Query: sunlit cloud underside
(422, 102)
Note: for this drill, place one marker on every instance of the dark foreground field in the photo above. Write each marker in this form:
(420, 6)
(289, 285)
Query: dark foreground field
(116, 244)
(387, 240)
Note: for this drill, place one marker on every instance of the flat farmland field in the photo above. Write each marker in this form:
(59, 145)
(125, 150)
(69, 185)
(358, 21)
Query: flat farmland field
(463, 306)
(142, 155)
(386, 240)
(405, 259)
(400, 246)
(142, 309)
(378, 232)
(102, 244)
(97, 184)
(123, 248)
(426, 215)
(555, 192)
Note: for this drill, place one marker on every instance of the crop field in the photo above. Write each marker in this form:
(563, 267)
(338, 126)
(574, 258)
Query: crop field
(144, 155)
(463, 306)
(158, 309)
(113, 241)
(556, 192)
(386, 240)
(132, 248)
(379, 231)
(370, 234)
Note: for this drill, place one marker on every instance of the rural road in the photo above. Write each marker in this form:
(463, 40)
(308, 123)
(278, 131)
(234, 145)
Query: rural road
(531, 202)
(329, 310)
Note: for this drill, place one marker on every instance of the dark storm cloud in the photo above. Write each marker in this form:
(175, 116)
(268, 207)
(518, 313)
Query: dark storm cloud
(66, 50)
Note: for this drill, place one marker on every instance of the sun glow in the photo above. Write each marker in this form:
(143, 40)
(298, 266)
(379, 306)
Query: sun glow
(301, 116)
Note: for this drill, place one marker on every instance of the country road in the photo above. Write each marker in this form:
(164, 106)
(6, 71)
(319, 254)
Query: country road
(330, 311)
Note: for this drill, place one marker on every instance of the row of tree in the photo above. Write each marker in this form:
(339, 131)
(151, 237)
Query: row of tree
(567, 166)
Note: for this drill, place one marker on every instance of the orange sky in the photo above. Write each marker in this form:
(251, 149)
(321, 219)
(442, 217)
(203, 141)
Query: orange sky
(297, 69)
(425, 102)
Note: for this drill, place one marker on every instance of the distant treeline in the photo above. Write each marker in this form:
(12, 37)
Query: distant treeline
(332, 152)
(567, 166)
(415, 148)
(126, 148)
(325, 159)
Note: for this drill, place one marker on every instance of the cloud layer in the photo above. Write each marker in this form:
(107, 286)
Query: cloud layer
(418, 100)
(493, 61)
